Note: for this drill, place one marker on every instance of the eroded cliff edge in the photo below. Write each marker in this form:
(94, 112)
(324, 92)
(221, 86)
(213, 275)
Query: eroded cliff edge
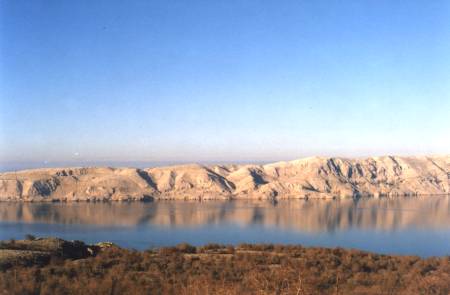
(313, 177)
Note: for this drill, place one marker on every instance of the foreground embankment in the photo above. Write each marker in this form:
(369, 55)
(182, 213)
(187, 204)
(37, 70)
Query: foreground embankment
(54, 266)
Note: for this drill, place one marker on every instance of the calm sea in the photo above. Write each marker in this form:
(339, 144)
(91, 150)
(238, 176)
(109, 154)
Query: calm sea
(418, 226)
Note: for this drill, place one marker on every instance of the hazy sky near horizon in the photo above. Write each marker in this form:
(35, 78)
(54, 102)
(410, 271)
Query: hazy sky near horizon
(222, 80)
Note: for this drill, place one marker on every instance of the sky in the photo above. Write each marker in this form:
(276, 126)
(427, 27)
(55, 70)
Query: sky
(215, 81)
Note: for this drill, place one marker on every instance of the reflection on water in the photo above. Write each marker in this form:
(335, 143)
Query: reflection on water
(311, 216)
(315, 222)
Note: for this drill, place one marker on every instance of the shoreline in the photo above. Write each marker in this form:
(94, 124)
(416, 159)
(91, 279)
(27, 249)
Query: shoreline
(218, 199)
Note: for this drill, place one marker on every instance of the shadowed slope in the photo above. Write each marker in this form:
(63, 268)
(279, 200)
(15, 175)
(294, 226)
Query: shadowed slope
(313, 177)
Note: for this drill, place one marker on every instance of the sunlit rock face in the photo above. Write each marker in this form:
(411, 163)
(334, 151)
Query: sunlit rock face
(305, 178)
(388, 214)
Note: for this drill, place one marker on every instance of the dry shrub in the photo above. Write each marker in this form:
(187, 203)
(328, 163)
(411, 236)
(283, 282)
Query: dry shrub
(247, 269)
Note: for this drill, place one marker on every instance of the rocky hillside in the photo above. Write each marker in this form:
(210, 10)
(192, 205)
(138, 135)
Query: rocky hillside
(314, 177)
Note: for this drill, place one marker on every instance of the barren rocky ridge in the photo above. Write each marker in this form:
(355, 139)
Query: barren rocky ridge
(315, 177)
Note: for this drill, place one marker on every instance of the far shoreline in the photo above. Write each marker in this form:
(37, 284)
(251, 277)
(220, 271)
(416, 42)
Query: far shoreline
(197, 200)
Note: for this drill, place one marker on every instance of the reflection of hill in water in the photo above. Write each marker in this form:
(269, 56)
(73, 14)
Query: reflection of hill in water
(313, 216)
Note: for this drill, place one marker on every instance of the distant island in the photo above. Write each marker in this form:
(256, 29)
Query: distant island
(314, 177)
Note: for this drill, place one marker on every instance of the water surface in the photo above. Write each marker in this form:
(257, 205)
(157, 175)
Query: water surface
(418, 226)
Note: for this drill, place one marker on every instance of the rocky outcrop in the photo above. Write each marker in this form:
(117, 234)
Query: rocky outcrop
(314, 177)
(39, 251)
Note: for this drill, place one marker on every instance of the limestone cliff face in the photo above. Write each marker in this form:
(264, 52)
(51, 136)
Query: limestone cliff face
(305, 178)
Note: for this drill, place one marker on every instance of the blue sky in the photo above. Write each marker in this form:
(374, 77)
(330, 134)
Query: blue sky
(222, 80)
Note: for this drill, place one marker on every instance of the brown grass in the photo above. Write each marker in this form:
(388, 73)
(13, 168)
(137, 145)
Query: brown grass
(246, 269)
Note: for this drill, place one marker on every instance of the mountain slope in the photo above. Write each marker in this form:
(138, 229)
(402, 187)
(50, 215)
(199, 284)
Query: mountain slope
(314, 177)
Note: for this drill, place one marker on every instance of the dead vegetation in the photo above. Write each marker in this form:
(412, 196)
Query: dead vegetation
(244, 269)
